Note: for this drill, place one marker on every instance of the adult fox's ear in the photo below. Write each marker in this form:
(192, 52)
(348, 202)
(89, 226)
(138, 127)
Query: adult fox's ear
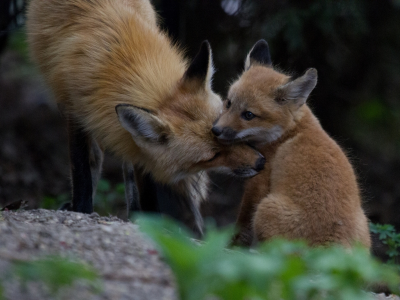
(259, 54)
(142, 124)
(199, 74)
(297, 91)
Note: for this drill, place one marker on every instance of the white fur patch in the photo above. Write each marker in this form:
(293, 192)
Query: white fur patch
(274, 133)
(255, 131)
(247, 61)
(260, 134)
(228, 171)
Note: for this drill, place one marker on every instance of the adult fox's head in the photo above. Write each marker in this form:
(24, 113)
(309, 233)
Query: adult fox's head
(263, 103)
(176, 140)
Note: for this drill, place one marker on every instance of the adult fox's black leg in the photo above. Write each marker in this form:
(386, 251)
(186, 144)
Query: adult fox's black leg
(81, 177)
(147, 191)
(131, 190)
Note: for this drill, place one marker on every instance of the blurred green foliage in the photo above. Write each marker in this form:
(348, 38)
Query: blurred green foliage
(108, 197)
(276, 270)
(18, 43)
(388, 236)
(50, 202)
(54, 272)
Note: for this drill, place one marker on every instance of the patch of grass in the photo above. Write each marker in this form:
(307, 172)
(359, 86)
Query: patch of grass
(275, 270)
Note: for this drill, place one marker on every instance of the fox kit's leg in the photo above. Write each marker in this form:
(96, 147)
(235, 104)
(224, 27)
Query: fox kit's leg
(277, 216)
(255, 190)
(244, 221)
(79, 147)
(131, 191)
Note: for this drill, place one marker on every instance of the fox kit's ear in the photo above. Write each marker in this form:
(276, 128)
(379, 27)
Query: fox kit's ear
(199, 74)
(259, 54)
(297, 91)
(142, 124)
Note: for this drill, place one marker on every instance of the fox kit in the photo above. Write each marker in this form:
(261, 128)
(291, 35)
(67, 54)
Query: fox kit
(127, 89)
(308, 189)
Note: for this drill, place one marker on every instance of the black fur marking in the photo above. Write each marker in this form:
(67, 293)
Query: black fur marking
(198, 69)
(82, 189)
(147, 192)
(260, 53)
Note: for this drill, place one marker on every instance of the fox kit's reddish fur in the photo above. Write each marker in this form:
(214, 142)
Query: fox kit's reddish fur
(124, 85)
(308, 189)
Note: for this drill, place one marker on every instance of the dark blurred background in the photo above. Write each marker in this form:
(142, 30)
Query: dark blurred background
(354, 44)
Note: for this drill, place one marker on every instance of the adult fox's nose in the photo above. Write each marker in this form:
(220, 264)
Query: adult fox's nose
(216, 131)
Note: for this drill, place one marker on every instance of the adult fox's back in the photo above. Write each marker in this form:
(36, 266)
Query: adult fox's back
(81, 48)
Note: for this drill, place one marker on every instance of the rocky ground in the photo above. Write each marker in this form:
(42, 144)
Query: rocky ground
(128, 264)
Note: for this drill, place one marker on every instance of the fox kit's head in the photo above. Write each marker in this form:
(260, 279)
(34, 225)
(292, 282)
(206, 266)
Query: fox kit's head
(263, 103)
(176, 140)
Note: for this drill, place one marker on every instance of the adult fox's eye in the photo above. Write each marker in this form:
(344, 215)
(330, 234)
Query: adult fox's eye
(214, 157)
(228, 104)
(248, 115)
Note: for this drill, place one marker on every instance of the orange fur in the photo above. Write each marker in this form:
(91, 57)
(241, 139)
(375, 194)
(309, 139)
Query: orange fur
(308, 189)
(98, 54)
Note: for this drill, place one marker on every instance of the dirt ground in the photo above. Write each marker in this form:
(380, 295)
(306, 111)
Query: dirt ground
(128, 264)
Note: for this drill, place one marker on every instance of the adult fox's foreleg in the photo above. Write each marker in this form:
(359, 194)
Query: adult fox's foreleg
(81, 175)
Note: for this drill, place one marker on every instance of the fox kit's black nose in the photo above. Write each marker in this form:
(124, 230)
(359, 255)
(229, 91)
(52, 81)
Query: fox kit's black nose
(216, 131)
(260, 163)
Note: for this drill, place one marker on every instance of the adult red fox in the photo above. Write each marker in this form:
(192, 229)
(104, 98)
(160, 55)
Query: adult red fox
(308, 189)
(127, 89)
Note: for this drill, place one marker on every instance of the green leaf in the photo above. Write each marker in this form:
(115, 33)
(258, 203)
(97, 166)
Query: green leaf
(55, 272)
(103, 185)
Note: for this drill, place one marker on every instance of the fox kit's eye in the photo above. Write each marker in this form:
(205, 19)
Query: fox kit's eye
(228, 104)
(248, 115)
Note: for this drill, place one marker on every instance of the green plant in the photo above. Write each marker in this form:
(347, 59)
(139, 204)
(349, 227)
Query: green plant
(388, 236)
(50, 202)
(107, 195)
(54, 272)
(278, 270)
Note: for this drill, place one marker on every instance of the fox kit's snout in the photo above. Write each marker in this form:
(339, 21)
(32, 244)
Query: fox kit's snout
(308, 189)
